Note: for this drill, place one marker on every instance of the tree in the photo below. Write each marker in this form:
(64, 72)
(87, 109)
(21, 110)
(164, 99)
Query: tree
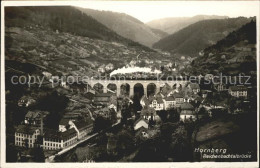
(74, 157)
(125, 141)
(163, 114)
(126, 110)
(180, 147)
(113, 115)
(38, 154)
(101, 123)
(189, 126)
(55, 104)
(26, 143)
(167, 129)
(162, 68)
(174, 116)
(11, 153)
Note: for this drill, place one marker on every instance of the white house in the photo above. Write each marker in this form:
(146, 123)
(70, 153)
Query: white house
(169, 65)
(53, 140)
(63, 124)
(26, 101)
(141, 122)
(179, 98)
(157, 103)
(101, 69)
(34, 117)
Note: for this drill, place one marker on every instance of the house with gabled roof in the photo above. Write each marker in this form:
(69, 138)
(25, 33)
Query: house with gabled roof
(141, 123)
(101, 69)
(102, 99)
(54, 140)
(179, 98)
(26, 101)
(82, 127)
(187, 112)
(148, 113)
(64, 124)
(169, 102)
(26, 135)
(194, 87)
(34, 117)
(166, 90)
(157, 102)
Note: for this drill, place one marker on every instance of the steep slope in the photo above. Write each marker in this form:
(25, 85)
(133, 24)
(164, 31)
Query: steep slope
(125, 25)
(61, 19)
(232, 55)
(174, 24)
(192, 39)
(65, 40)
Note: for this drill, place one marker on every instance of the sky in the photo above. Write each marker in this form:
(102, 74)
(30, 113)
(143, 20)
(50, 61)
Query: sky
(146, 11)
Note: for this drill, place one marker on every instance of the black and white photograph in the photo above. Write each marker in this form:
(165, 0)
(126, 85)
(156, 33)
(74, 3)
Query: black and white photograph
(166, 83)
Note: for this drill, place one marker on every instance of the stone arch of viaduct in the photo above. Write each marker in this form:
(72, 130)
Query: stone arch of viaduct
(132, 83)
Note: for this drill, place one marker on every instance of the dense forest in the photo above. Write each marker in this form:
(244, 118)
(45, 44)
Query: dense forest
(194, 38)
(246, 32)
(232, 55)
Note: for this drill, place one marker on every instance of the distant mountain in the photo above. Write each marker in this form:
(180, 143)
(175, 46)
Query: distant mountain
(65, 40)
(194, 38)
(126, 26)
(232, 55)
(62, 19)
(174, 24)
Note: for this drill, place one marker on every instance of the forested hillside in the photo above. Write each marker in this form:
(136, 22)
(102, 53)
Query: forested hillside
(194, 38)
(232, 55)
